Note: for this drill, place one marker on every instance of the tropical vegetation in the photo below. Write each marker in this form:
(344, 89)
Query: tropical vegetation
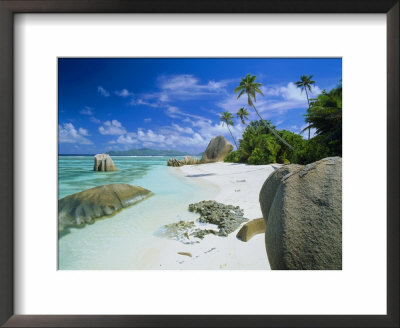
(261, 143)
(250, 87)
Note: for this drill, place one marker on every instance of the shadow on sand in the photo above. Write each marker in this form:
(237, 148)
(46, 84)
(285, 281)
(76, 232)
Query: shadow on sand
(199, 175)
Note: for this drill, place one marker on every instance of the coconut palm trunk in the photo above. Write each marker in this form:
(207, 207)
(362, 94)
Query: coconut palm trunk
(305, 83)
(308, 101)
(232, 137)
(272, 130)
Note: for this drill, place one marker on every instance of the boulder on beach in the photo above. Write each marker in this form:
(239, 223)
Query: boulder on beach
(187, 160)
(86, 206)
(103, 162)
(216, 150)
(250, 229)
(302, 209)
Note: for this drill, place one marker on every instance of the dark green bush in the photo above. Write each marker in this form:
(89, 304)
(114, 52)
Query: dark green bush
(233, 157)
(313, 150)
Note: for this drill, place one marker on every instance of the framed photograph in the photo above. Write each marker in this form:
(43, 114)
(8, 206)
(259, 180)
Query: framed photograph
(181, 164)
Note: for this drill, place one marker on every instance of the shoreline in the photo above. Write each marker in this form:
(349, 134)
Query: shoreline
(235, 184)
(132, 240)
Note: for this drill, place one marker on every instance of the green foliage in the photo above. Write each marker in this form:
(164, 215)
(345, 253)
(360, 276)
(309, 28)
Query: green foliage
(260, 145)
(305, 83)
(312, 150)
(285, 155)
(250, 87)
(325, 115)
(243, 114)
(226, 118)
(257, 157)
(235, 156)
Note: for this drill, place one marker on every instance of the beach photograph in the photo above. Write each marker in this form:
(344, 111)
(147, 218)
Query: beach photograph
(199, 164)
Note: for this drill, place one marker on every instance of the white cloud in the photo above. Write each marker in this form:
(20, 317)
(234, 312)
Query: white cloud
(86, 111)
(150, 136)
(103, 91)
(175, 112)
(83, 132)
(190, 85)
(180, 87)
(124, 93)
(127, 139)
(174, 136)
(180, 129)
(140, 101)
(113, 127)
(186, 86)
(208, 129)
(163, 97)
(147, 120)
(94, 120)
(68, 134)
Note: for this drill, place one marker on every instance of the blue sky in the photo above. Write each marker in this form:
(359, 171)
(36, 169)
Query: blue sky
(116, 104)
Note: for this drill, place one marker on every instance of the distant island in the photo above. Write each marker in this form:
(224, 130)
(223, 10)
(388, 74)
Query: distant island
(146, 152)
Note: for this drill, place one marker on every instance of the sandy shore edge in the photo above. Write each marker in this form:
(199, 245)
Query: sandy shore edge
(238, 185)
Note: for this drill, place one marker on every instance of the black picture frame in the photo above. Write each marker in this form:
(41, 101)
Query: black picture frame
(10, 7)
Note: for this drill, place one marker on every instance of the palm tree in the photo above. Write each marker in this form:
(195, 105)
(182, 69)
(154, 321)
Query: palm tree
(305, 84)
(250, 87)
(226, 118)
(243, 114)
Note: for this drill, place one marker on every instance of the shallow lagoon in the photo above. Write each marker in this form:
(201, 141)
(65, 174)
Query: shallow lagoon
(126, 240)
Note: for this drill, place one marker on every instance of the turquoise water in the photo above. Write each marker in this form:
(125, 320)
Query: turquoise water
(125, 240)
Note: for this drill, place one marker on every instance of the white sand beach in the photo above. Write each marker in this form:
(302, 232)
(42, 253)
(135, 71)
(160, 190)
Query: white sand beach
(238, 185)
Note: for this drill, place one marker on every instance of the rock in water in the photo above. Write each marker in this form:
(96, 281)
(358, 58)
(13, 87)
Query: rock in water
(174, 162)
(188, 160)
(103, 162)
(216, 150)
(84, 207)
(250, 229)
(302, 208)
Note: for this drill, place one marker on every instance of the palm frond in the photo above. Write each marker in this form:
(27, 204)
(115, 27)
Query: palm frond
(241, 93)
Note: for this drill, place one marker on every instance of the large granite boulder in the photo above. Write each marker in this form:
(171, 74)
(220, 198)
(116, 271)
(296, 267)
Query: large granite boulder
(86, 206)
(302, 209)
(103, 162)
(216, 150)
(187, 160)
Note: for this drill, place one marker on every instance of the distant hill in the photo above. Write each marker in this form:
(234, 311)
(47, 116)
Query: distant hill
(146, 152)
